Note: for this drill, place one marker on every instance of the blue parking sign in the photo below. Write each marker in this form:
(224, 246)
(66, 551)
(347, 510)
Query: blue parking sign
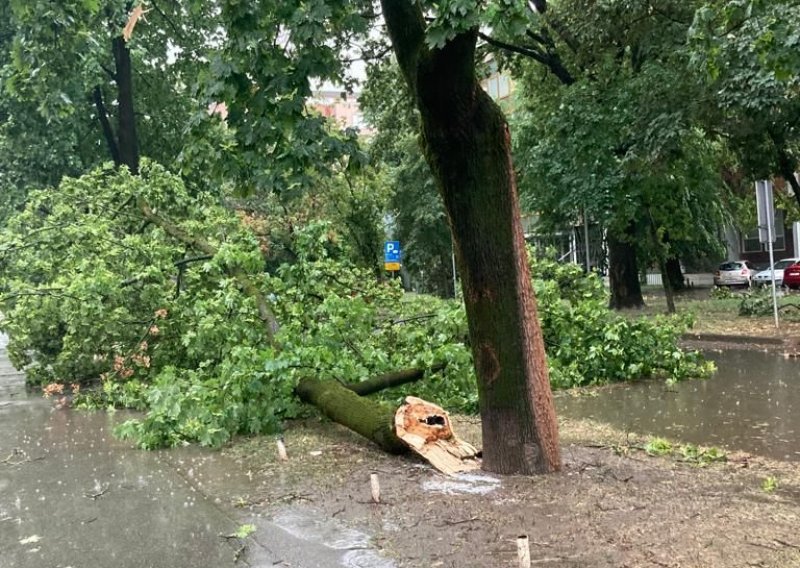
(391, 251)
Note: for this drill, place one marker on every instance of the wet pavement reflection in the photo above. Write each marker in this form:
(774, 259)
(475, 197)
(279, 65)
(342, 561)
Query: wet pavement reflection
(71, 495)
(751, 404)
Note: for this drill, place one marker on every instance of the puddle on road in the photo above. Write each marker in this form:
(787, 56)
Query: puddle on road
(307, 525)
(751, 404)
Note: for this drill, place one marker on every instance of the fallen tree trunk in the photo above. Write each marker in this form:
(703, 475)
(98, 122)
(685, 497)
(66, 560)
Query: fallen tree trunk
(394, 379)
(417, 424)
(370, 419)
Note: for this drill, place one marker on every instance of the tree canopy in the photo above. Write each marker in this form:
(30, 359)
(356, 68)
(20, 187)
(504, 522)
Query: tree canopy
(182, 226)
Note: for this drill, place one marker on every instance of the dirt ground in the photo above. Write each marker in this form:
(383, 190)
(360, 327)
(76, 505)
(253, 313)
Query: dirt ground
(613, 505)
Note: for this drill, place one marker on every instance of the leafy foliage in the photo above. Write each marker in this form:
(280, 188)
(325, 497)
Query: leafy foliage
(758, 302)
(770, 484)
(588, 344)
(747, 51)
(620, 139)
(418, 219)
(95, 296)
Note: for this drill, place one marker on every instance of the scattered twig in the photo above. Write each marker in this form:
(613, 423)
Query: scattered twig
(410, 320)
(550, 559)
(625, 479)
(14, 452)
(338, 512)
(375, 487)
(295, 497)
(789, 544)
(282, 456)
(459, 522)
(371, 502)
(103, 491)
(238, 554)
(761, 544)
(17, 452)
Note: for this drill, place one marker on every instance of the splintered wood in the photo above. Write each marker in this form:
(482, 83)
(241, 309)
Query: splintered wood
(426, 429)
(136, 14)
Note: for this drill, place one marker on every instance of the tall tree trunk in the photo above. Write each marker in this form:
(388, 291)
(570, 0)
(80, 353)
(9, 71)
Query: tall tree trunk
(127, 140)
(623, 273)
(105, 125)
(467, 145)
(665, 282)
(787, 167)
(675, 273)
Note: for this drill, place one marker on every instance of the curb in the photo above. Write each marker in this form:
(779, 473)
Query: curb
(741, 339)
(789, 344)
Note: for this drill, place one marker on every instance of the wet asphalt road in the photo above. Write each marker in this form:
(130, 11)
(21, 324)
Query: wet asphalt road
(72, 496)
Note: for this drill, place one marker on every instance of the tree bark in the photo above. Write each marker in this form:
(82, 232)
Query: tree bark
(105, 125)
(675, 273)
(389, 380)
(623, 273)
(127, 140)
(342, 405)
(669, 292)
(467, 145)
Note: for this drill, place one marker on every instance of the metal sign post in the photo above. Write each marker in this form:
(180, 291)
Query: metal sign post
(766, 232)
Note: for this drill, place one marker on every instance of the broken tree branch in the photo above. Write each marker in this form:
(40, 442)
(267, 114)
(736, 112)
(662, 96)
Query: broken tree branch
(394, 379)
(372, 420)
(417, 424)
(248, 286)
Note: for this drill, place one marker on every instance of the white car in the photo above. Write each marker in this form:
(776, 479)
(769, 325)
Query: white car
(764, 277)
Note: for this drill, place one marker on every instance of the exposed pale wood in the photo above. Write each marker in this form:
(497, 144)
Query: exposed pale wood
(375, 487)
(524, 552)
(136, 14)
(426, 429)
(282, 455)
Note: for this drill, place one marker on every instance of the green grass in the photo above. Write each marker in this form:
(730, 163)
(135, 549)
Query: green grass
(721, 316)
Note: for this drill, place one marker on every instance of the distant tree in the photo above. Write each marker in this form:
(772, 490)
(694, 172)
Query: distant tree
(607, 123)
(69, 65)
(748, 52)
(418, 217)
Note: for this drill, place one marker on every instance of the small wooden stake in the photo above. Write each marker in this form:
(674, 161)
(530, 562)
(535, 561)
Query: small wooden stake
(524, 551)
(376, 487)
(282, 451)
